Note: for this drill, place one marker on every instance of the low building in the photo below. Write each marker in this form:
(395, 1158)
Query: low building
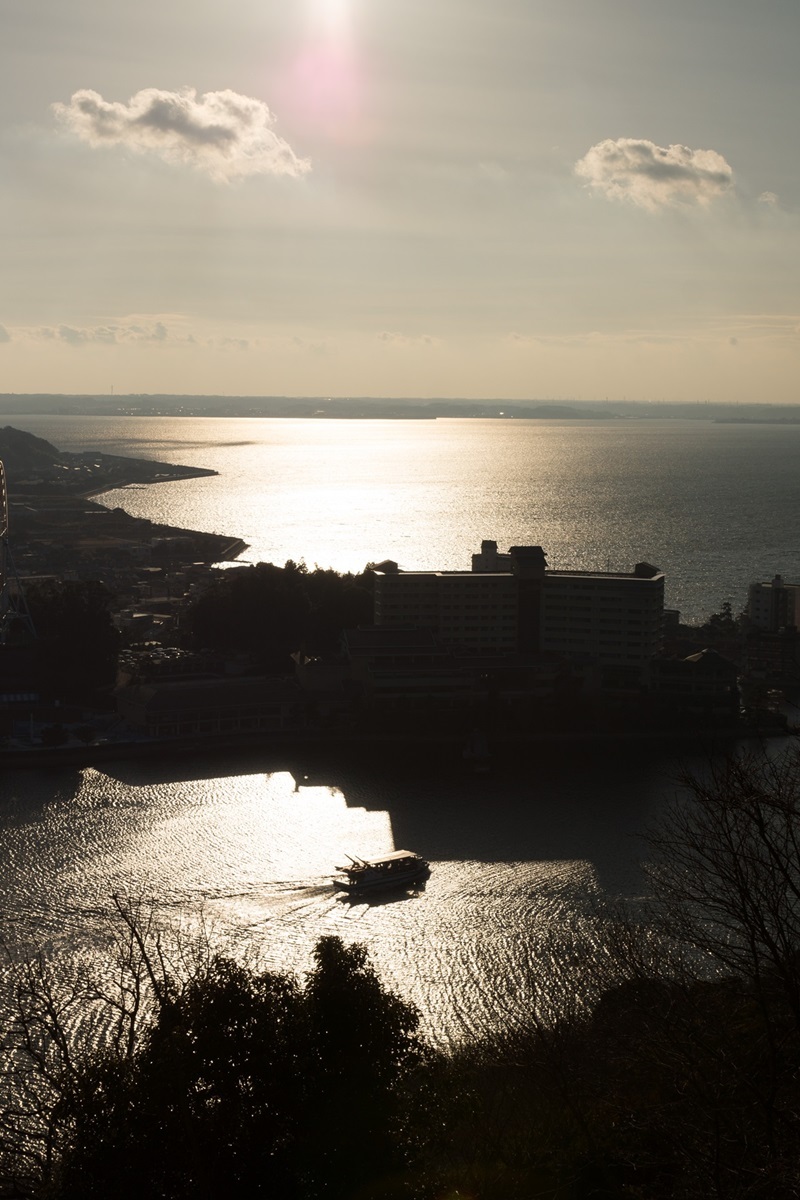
(773, 604)
(772, 657)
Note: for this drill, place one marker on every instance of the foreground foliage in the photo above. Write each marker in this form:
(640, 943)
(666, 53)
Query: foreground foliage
(678, 1079)
(232, 1082)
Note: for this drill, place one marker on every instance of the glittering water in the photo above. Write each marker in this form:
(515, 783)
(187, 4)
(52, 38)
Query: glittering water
(714, 506)
(518, 858)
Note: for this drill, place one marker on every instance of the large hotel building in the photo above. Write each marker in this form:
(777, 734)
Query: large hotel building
(514, 604)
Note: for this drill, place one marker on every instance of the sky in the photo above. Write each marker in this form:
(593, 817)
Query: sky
(520, 199)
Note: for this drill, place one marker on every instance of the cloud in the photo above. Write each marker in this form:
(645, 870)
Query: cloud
(225, 134)
(73, 337)
(768, 198)
(5, 336)
(390, 338)
(655, 177)
(152, 330)
(117, 334)
(768, 329)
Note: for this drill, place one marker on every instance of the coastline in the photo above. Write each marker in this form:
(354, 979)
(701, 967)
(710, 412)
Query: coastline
(230, 547)
(52, 502)
(448, 749)
(172, 475)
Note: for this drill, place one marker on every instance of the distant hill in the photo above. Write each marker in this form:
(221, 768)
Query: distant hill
(560, 412)
(33, 465)
(386, 408)
(23, 453)
(311, 407)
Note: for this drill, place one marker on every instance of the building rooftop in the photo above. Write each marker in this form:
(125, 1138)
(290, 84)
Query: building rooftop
(568, 573)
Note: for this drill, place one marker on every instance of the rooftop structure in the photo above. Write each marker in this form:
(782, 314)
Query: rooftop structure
(513, 603)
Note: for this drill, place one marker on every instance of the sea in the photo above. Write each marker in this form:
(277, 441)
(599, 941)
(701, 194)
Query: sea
(524, 858)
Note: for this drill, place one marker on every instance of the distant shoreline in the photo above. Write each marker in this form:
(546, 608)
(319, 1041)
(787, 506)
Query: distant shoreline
(381, 408)
(172, 475)
(792, 420)
(68, 515)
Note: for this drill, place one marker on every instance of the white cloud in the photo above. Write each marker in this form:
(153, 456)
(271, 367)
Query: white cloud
(768, 198)
(655, 177)
(390, 338)
(225, 134)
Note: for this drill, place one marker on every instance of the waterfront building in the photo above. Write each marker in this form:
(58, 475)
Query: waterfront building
(773, 605)
(514, 604)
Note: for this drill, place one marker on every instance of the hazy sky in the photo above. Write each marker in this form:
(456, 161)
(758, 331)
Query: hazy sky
(489, 198)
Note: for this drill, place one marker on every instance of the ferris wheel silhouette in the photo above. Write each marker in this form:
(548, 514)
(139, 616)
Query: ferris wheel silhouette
(15, 620)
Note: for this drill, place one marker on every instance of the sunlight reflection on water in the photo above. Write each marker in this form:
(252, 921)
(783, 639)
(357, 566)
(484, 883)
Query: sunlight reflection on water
(253, 853)
(712, 505)
(517, 860)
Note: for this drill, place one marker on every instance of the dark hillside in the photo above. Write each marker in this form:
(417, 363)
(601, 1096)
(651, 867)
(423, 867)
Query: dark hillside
(34, 466)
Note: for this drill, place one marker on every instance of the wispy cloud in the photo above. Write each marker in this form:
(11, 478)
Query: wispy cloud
(222, 133)
(655, 177)
(768, 198)
(773, 329)
(403, 340)
(154, 332)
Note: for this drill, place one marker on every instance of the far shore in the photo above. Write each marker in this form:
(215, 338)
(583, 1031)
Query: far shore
(172, 475)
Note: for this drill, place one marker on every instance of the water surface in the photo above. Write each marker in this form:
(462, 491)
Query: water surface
(714, 506)
(520, 858)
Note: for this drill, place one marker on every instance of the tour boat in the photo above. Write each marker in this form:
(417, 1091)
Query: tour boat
(399, 869)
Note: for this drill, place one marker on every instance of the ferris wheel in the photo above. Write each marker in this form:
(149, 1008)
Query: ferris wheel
(3, 536)
(3, 505)
(15, 620)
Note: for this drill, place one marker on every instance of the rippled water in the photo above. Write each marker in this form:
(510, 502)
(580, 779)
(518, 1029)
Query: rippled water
(715, 506)
(518, 858)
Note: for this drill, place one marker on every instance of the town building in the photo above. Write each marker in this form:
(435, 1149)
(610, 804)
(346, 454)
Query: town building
(773, 605)
(514, 604)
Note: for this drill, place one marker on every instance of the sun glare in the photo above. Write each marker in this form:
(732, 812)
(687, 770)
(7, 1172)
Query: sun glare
(330, 17)
(325, 79)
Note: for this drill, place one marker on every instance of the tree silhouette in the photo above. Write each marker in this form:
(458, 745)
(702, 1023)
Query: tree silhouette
(241, 1084)
(77, 642)
(271, 611)
(261, 609)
